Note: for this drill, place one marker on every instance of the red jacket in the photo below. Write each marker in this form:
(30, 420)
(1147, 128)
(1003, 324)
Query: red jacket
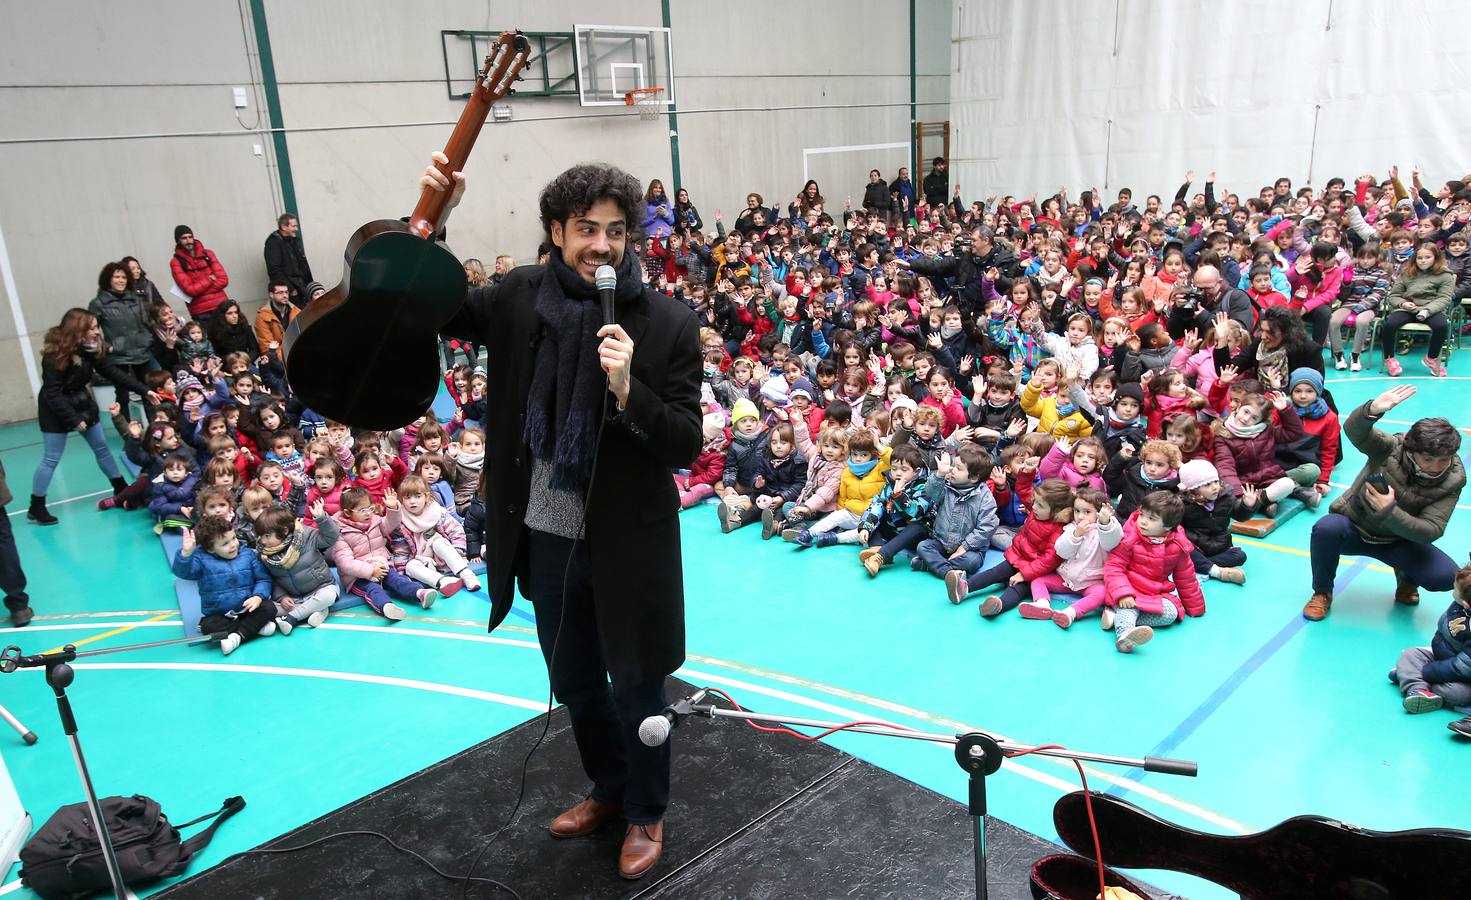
(1253, 460)
(709, 466)
(1033, 552)
(1153, 572)
(1325, 429)
(953, 412)
(192, 274)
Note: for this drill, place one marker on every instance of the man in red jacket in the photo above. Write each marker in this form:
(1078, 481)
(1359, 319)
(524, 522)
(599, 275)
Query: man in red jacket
(198, 273)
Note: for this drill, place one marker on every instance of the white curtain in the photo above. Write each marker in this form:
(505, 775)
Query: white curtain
(1116, 93)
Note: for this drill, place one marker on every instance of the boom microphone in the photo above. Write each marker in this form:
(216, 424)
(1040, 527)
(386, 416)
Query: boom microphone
(606, 279)
(655, 730)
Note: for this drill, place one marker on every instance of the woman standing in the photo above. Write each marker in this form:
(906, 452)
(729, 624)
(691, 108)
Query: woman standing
(1420, 294)
(658, 212)
(142, 286)
(686, 217)
(126, 326)
(71, 354)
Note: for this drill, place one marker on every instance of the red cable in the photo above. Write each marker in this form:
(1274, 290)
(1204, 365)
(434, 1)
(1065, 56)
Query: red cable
(1082, 776)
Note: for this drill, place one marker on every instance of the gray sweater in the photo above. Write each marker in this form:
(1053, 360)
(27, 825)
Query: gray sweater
(309, 571)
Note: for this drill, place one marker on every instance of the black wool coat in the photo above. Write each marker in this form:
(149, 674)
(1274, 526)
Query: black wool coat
(632, 524)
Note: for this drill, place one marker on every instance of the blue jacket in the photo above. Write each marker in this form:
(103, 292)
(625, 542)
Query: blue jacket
(655, 225)
(1451, 646)
(165, 497)
(898, 510)
(224, 584)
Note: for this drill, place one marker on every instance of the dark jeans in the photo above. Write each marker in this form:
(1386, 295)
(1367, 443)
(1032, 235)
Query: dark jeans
(891, 543)
(379, 594)
(12, 577)
(605, 718)
(1317, 322)
(1334, 535)
(124, 396)
(1229, 558)
(1000, 574)
(247, 624)
(1389, 331)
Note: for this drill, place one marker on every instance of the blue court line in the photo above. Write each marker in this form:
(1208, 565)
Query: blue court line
(1236, 679)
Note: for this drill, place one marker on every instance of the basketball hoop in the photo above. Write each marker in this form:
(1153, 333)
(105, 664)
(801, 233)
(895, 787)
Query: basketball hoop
(648, 101)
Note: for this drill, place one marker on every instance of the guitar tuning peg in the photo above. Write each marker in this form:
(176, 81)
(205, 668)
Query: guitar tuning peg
(511, 92)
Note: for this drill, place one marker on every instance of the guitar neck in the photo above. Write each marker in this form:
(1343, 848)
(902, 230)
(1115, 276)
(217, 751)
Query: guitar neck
(429, 214)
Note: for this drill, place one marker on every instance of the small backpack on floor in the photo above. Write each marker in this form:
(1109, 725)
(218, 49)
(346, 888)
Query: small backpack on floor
(63, 859)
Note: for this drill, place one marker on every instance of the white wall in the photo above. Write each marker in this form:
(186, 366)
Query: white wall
(91, 68)
(1136, 92)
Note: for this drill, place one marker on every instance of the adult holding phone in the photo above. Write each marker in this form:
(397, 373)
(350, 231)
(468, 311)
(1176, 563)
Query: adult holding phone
(1397, 507)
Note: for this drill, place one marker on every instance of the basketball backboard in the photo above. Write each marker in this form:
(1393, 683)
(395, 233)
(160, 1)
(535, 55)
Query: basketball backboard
(615, 59)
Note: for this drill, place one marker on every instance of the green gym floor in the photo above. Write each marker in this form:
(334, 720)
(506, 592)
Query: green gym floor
(1284, 717)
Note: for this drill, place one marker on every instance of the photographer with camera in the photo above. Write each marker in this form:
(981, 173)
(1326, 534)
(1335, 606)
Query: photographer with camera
(974, 254)
(1196, 304)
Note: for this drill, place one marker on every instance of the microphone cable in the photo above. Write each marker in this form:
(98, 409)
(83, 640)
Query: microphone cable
(552, 660)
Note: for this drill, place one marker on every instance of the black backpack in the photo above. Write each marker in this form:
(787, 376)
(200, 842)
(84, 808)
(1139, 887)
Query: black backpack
(63, 859)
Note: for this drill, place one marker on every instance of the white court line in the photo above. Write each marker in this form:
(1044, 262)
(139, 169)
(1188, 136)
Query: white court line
(21, 512)
(433, 687)
(80, 626)
(328, 675)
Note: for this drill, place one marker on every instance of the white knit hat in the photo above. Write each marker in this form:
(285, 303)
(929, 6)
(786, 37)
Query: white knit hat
(1197, 473)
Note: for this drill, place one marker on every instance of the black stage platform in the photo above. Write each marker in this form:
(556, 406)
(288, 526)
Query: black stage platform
(753, 816)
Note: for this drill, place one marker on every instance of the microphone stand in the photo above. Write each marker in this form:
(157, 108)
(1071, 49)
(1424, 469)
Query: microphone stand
(59, 675)
(977, 753)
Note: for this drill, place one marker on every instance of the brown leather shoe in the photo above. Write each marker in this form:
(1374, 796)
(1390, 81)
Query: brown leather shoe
(585, 818)
(642, 845)
(1406, 592)
(1317, 608)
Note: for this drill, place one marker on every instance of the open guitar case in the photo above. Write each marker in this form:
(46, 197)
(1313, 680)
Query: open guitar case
(1305, 856)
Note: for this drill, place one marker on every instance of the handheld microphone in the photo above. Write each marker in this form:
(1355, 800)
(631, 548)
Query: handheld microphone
(606, 279)
(655, 730)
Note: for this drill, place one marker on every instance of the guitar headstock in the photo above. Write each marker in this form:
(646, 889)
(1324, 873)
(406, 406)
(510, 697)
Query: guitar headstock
(502, 68)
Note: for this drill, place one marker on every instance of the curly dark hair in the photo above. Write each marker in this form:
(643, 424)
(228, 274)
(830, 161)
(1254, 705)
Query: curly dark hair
(575, 191)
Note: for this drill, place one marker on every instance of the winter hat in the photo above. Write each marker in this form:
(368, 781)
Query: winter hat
(801, 386)
(313, 288)
(180, 231)
(1197, 473)
(713, 425)
(183, 381)
(1130, 390)
(904, 403)
(743, 409)
(1306, 376)
(775, 390)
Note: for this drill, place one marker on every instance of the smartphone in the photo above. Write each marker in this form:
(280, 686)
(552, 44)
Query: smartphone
(1378, 482)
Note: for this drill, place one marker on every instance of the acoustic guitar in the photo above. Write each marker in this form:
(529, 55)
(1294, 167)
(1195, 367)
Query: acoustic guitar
(366, 353)
(1305, 856)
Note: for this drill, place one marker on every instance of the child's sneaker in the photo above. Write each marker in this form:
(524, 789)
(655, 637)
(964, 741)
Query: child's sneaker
(1106, 618)
(1393, 367)
(393, 612)
(991, 606)
(956, 587)
(1461, 727)
(1339, 362)
(790, 535)
(916, 564)
(1434, 366)
(826, 539)
(426, 597)
(448, 587)
(1309, 496)
(1134, 637)
(771, 526)
(107, 503)
(872, 560)
(1355, 365)
(472, 583)
(316, 619)
(268, 629)
(1036, 609)
(1422, 701)
(284, 625)
(229, 643)
(1231, 574)
(1064, 618)
(722, 512)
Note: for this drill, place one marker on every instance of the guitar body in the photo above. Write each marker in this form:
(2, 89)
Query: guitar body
(1305, 856)
(367, 352)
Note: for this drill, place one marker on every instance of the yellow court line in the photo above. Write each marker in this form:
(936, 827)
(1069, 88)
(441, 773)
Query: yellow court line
(108, 634)
(1296, 552)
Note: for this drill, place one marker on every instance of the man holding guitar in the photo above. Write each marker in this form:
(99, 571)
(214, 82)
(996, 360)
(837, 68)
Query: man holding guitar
(584, 421)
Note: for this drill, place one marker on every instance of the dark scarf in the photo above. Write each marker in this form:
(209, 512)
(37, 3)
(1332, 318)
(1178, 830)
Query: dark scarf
(568, 388)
